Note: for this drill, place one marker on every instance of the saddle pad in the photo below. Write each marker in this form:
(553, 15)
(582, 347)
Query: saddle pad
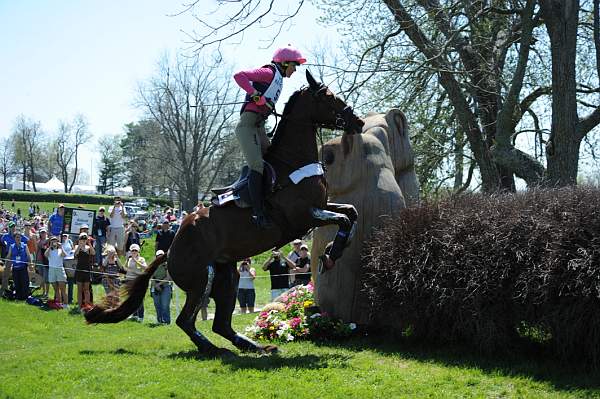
(312, 169)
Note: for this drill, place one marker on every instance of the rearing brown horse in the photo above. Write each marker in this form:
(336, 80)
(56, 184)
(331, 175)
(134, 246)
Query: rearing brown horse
(223, 235)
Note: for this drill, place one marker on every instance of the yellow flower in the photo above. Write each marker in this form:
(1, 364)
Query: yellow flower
(272, 328)
(308, 304)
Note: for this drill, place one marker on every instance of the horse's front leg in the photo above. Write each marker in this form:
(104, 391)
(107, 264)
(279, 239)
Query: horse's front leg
(345, 216)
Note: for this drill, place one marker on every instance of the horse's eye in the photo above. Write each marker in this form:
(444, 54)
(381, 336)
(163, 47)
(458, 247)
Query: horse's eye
(328, 157)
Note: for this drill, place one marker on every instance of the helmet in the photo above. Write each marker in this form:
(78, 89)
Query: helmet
(288, 54)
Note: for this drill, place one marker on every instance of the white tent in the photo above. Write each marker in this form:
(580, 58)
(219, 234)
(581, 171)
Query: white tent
(53, 185)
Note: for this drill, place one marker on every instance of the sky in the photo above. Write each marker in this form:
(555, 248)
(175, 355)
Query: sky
(63, 57)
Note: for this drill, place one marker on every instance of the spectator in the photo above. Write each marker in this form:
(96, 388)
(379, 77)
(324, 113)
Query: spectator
(164, 237)
(135, 266)
(246, 292)
(161, 291)
(132, 236)
(110, 280)
(41, 262)
(69, 264)
(57, 221)
(99, 231)
(278, 269)
(19, 259)
(31, 240)
(56, 273)
(293, 257)
(84, 254)
(116, 230)
(302, 269)
(7, 240)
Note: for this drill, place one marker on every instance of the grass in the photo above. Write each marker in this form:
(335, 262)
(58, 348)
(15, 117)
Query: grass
(54, 354)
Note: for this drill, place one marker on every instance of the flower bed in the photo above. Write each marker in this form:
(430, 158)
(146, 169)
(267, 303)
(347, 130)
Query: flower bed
(297, 317)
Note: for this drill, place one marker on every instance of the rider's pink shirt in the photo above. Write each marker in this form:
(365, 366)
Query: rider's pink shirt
(244, 79)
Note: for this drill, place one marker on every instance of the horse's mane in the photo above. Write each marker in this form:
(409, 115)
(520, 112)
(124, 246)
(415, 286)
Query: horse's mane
(286, 110)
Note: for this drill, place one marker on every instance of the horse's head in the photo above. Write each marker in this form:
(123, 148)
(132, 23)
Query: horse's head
(331, 111)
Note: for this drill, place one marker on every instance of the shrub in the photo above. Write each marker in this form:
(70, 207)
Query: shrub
(30, 196)
(476, 269)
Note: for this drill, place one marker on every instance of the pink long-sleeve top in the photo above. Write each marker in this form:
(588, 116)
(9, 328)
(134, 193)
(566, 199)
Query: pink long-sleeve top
(244, 79)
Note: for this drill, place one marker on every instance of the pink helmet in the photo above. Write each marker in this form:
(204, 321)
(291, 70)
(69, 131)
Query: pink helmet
(288, 54)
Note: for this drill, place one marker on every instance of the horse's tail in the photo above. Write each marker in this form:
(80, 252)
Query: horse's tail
(135, 296)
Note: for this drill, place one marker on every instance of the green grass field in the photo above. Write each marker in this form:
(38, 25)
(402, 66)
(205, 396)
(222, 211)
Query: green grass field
(54, 354)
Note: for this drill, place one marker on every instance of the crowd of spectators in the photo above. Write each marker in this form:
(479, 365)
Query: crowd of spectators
(38, 253)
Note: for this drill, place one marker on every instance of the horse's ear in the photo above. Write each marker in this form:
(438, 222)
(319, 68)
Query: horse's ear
(311, 81)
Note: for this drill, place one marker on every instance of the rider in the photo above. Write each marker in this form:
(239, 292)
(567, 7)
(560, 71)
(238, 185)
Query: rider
(263, 87)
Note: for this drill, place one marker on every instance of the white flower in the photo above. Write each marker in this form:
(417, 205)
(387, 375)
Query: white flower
(314, 316)
(352, 326)
(290, 337)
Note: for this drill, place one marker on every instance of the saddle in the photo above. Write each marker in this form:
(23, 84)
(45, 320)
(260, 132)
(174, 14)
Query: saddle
(237, 192)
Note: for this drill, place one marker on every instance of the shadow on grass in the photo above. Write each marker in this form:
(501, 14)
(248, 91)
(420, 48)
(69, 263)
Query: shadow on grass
(528, 361)
(249, 361)
(119, 351)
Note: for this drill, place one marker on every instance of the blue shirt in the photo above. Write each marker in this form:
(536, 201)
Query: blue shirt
(56, 224)
(19, 256)
(8, 240)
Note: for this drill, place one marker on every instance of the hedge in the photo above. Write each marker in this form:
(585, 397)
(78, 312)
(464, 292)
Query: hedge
(30, 196)
(493, 271)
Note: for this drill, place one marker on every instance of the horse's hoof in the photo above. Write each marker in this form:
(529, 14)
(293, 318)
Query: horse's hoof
(269, 350)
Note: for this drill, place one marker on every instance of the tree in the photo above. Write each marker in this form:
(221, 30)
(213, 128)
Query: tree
(111, 161)
(187, 100)
(28, 139)
(562, 22)
(484, 59)
(7, 166)
(69, 138)
(140, 147)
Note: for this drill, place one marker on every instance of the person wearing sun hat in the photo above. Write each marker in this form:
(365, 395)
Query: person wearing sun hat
(135, 266)
(56, 273)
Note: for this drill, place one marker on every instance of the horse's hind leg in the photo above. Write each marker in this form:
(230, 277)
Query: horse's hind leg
(187, 322)
(225, 293)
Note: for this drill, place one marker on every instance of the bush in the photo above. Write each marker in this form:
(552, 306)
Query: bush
(30, 196)
(483, 270)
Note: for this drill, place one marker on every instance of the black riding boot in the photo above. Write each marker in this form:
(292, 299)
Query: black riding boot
(255, 187)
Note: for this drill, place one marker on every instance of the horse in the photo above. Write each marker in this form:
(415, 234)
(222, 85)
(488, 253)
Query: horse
(223, 235)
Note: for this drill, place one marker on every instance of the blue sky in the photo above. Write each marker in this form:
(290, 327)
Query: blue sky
(64, 57)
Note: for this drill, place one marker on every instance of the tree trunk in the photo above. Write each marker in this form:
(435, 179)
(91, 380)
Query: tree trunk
(561, 19)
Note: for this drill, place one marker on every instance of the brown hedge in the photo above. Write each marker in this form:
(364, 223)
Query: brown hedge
(487, 270)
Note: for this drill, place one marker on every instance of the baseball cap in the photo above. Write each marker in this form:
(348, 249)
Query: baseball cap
(43, 230)
(61, 205)
(159, 252)
(134, 247)
(304, 246)
(84, 226)
(297, 241)
(101, 209)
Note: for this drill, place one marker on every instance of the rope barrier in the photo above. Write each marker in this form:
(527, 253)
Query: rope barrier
(153, 279)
